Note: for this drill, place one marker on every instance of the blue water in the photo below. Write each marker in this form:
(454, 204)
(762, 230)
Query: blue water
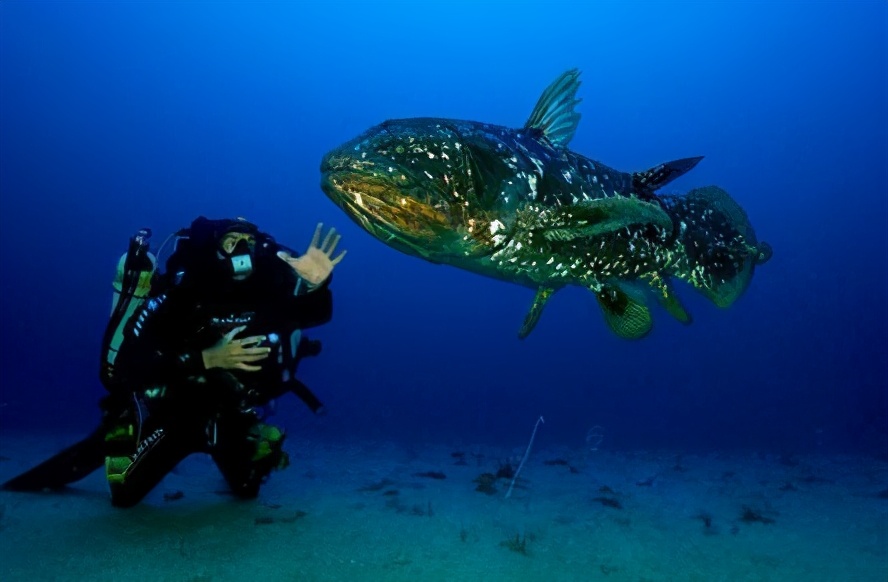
(119, 116)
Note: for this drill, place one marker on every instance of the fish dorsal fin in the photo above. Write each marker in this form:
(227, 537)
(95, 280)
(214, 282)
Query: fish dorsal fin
(660, 175)
(554, 114)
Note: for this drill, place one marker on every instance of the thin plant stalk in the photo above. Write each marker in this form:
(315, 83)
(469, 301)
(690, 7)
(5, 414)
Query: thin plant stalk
(526, 454)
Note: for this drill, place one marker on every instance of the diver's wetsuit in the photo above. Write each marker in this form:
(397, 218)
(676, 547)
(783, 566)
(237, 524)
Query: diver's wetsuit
(169, 406)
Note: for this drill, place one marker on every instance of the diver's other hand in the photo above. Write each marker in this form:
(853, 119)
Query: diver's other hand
(236, 354)
(317, 263)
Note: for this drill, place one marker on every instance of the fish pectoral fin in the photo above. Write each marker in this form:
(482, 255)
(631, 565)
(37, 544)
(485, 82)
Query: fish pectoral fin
(486, 169)
(660, 175)
(605, 216)
(627, 317)
(554, 116)
(536, 309)
(668, 300)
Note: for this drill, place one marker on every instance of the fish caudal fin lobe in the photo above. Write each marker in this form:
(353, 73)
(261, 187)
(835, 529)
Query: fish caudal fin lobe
(717, 250)
(628, 318)
(660, 175)
(536, 310)
(554, 116)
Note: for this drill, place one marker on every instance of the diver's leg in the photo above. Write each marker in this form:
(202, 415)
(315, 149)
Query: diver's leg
(132, 476)
(246, 452)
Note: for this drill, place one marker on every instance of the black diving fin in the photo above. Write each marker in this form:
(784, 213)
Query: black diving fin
(70, 465)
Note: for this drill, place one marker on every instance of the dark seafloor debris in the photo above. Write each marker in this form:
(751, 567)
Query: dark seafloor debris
(518, 544)
(377, 486)
(486, 483)
(268, 519)
(460, 457)
(431, 475)
(752, 515)
(609, 502)
(556, 462)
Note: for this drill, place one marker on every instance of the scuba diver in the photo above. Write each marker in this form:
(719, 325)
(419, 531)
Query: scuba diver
(193, 357)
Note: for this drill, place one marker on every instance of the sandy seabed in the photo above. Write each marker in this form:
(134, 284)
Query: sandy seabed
(392, 511)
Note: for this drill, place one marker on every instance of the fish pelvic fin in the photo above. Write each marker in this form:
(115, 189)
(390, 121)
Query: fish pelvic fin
(627, 317)
(716, 248)
(554, 116)
(662, 174)
(536, 310)
(667, 298)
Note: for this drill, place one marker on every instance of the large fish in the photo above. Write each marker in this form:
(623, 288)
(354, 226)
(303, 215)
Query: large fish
(518, 205)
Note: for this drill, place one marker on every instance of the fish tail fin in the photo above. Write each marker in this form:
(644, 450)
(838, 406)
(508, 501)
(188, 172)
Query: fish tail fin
(716, 249)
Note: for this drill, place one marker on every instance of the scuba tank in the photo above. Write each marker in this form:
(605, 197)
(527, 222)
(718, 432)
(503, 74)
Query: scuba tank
(132, 285)
(143, 286)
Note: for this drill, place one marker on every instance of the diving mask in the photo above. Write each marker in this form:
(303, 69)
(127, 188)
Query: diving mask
(238, 248)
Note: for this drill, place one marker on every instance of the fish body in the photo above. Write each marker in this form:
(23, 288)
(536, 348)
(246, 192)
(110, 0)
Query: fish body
(518, 205)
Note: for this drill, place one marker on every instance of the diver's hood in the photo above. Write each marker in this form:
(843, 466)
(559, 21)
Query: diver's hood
(206, 233)
(197, 254)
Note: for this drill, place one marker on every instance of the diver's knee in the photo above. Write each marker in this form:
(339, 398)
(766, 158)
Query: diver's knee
(124, 499)
(246, 491)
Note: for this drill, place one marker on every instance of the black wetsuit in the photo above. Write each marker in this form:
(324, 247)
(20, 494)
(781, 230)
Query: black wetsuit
(170, 406)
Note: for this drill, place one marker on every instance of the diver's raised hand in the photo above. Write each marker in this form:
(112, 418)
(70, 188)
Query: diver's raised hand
(236, 354)
(317, 263)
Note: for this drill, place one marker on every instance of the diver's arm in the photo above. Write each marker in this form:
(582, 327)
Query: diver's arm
(236, 354)
(308, 309)
(315, 266)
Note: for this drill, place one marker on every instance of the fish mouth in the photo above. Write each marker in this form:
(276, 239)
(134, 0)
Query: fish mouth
(384, 211)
